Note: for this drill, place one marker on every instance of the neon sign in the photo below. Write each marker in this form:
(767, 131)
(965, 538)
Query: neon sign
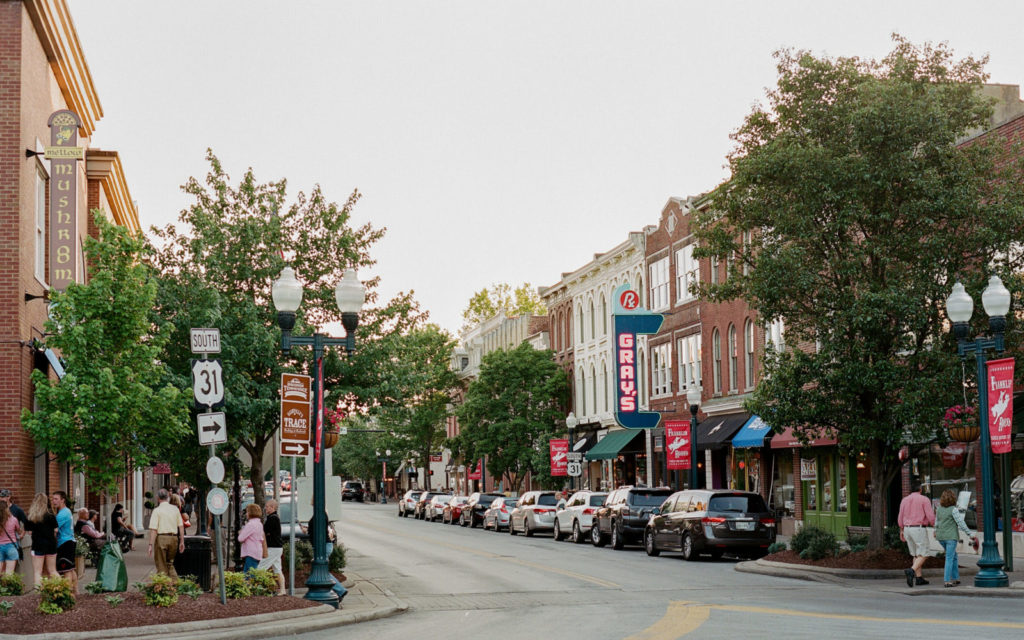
(630, 320)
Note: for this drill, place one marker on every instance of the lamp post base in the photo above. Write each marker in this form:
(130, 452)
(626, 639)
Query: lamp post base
(319, 585)
(991, 572)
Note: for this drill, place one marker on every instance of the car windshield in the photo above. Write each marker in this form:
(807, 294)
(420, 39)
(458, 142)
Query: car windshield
(737, 504)
(414, 495)
(649, 499)
(488, 499)
(547, 499)
(354, 485)
(597, 501)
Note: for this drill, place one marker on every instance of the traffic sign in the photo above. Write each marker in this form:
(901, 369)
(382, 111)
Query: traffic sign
(208, 383)
(290, 448)
(574, 469)
(212, 428)
(574, 456)
(205, 340)
(217, 501)
(215, 470)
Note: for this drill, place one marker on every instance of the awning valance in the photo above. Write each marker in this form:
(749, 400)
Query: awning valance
(717, 431)
(752, 434)
(609, 446)
(788, 440)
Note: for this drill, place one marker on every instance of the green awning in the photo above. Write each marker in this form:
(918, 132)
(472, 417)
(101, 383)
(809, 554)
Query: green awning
(609, 446)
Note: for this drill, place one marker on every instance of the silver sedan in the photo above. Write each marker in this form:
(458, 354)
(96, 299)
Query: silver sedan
(497, 514)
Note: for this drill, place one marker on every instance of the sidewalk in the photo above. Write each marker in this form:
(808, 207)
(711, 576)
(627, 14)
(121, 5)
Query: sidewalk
(365, 601)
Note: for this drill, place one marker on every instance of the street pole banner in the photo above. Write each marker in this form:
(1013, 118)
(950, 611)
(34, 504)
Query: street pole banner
(295, 414)
(319, 410)
(677, 444)
(63, 154)
(559, 456)
(631, 320)
(1000, 404)
(476, 475)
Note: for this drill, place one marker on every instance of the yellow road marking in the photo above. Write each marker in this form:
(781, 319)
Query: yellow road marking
(493, 556)
(842, 616)
(680, 619)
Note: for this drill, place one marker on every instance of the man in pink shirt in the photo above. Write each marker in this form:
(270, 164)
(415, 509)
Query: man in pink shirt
(916, 514)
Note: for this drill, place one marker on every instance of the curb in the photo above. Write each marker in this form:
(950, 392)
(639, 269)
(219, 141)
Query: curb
(848, 574)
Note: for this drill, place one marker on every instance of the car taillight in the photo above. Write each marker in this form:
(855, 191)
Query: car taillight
(768, 522)
(542, 510)
(504, 510)
(626, 512)
(589, 511)
(712, 520)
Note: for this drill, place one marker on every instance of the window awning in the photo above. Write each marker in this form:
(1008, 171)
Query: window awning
(609, 446)
(584, 443)
(752, 434)
(58, 368)
(715, 432)
(788, 440)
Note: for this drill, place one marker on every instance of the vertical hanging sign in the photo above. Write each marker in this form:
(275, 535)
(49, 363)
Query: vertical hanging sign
(63, 153)
(677, 444)
(630, 321)
(318, 445)
(1000, 404)
(559, 448)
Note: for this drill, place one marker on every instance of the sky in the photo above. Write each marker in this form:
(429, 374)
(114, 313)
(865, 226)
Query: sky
(495, 141)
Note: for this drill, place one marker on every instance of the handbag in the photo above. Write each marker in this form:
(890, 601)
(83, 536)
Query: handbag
(266, 552)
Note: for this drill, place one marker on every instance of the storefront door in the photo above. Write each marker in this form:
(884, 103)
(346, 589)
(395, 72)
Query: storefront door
(827, 496)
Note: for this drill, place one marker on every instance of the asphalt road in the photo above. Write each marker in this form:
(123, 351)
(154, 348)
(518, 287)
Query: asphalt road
(463, 583)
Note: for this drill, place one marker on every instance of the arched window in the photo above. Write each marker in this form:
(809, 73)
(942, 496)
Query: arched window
(604, 315)
(580, 309)
(582, 386)
(604, 383)
(593, 386)
(748, 345)
(593, 333)
(716, 360)
(733, 360)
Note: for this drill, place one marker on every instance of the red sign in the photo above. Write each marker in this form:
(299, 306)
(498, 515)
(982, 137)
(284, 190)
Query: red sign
(319, 444)
(162, 468)
(953, 455)
(476, 475)
(1000, 404)
(436, 457)
(629, 300)
(559, 457)
(677, 444)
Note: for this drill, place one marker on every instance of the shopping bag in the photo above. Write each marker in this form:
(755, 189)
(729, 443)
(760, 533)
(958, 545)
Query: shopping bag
(111, 571)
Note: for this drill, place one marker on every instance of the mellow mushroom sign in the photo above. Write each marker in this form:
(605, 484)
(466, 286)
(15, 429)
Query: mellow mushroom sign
(631, 320)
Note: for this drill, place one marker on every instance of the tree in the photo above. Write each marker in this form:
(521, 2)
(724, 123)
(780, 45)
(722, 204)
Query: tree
(486, 303)
(219, 274)
(114, 410)
(511, 411)
(855, 211)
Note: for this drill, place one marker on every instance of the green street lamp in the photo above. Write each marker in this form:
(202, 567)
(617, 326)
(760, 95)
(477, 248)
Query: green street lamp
(571, 421)
(349, 295)
(959, 308)
(693, 395)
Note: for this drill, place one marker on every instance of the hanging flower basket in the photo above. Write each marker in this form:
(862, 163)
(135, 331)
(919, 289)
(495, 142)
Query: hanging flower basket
(961, 423)
(332, 426)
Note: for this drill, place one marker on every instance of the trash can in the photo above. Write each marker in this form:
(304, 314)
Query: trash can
(195, 561)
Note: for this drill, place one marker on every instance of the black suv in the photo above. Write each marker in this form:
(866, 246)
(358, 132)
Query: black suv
(352, 490)
(712, 522)
(473, 512)
(624, 515)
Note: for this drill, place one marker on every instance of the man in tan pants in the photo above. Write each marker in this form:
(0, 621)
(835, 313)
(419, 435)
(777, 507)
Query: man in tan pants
(166, 535)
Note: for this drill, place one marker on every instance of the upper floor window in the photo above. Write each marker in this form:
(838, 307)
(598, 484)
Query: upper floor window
(748, 239)
(733, 360)
(716, 357)
(581, 323)
(661, 369)
(714, 269)
(593, 332)
(748, 345)
(659, 284)
(604, 315)
(689, 361)
(687, 273)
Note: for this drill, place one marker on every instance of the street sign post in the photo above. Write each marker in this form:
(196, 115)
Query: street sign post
(204, 340)
(208, 383)
(215, 470)
(292, 448)
(574, 464)
(296, 414)
(212, 428)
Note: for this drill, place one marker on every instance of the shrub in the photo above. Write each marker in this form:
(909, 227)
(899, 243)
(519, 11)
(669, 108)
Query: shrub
(776, 547)
(82, 547)
(336, 561)
(95, 588)
(235, 585)
(149, 495)
(6, 606)
(303, 554)
(55, 595)
(149, 505)
(814, 543)
(262, 582)
(114, 600)
(160, 591)
(858, 542)
(891, 540)
(187, 586)
(11, 584)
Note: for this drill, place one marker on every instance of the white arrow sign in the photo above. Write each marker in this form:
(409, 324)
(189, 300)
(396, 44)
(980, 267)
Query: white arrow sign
(290, 448)
(207, 382)
(212, 428)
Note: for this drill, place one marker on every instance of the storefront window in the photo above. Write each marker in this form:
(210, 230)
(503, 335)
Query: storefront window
(783, 495)
(825, 474)
(952, 467)
(863, 485)
(812, 495)
(843, 499)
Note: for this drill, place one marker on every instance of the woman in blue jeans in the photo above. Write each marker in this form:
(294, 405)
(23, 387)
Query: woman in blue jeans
(948, 523)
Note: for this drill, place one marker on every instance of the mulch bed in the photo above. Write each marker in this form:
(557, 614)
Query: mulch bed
(302, 574)
(93, 613)
(874, 560)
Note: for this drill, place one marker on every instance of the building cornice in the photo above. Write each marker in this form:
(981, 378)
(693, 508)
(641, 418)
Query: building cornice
(57, 33)
(106, 167)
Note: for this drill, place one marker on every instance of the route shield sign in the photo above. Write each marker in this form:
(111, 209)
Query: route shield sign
(208, 383)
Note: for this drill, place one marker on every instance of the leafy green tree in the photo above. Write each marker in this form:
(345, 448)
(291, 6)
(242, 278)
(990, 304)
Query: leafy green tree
(486, 303)
(511, 411)
(114, 409)
(854, 211)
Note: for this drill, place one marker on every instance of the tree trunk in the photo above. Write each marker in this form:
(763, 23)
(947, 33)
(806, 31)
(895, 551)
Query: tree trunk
(880, 480)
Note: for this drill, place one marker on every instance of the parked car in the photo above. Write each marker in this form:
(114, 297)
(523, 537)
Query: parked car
(435, 507)
(352, 490)
(407, 503)
(473, 512)
(624, 514)
(452, 512)
(534, 512)
(284, 512)
(419, 511)
(713, 522)
(497, 514)
(575, 517)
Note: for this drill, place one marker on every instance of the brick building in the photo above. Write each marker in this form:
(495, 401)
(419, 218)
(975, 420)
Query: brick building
(44, 218)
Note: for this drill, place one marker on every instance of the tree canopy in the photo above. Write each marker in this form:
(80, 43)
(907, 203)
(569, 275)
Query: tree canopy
(115, 408)
(487, 302)
(850, 212)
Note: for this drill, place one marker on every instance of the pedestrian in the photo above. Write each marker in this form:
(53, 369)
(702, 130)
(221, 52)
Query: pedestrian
(123, 531)
(275, 545)
(65, 539)
(43, 526)
(166, 535)
(8, 496)
(252, 538)
(949, 522)
(916, 515)
(10, 538)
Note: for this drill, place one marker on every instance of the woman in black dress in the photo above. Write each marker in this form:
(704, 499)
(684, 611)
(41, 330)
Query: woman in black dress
(43, 525)
(124, 532)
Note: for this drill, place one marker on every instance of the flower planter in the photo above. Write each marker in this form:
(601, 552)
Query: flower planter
(964, 434)
(330, 439)
(961, 423)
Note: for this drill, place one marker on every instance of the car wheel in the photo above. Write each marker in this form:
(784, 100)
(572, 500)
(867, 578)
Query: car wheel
(462, 520)
(557, 533)
(511, 527)
(617, 541)
(595, 536)
(472, 521)
(577, 535)
(687, 546)
(526, 528)
(649, 546)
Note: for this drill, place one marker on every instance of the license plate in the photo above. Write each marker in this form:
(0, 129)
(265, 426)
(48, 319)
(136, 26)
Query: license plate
(744, 526)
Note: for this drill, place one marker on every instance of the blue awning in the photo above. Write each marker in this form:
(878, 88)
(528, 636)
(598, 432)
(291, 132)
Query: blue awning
(752, 434)
(58, 368)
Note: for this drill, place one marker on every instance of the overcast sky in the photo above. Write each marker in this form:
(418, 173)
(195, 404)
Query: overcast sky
(496, 141)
